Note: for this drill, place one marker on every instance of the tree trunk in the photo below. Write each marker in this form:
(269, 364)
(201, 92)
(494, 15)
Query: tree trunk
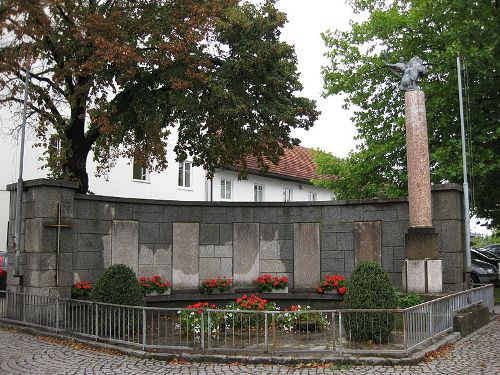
(76, 170)
(75, 166)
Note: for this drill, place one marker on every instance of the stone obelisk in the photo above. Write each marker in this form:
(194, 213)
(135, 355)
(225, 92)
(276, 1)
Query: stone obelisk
(422, 268)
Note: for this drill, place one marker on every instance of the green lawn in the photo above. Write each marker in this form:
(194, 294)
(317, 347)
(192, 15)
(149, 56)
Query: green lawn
(497, 295)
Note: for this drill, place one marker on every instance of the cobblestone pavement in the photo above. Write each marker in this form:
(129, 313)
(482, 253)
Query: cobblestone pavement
(22, 353)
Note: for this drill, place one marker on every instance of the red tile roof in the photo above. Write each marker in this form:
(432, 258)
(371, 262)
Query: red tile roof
(296, 163)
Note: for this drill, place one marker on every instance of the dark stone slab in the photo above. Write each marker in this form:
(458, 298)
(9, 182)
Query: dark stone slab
(422, 243)
(447, 205)
(102, 210)
(188, 214)
(225, 234)
(209, 234)
(266, 214)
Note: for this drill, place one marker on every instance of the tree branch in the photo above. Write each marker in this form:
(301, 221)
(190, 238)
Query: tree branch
(46, 80)
(41, 112)
(64, 15)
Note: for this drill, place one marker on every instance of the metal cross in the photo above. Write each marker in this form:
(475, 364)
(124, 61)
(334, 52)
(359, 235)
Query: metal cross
(59, 225)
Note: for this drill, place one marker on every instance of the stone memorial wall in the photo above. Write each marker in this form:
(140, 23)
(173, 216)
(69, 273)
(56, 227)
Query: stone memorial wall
(188, 242)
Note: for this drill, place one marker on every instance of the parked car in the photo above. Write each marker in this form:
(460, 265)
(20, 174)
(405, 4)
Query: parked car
(3, 270)
(483, 272)
(493, 249)
(485, 257)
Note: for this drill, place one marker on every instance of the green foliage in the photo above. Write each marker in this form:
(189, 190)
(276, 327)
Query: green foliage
(486, 240)
(370, 288)
(357, 178)
(81, 289)
(409, 300)
(117, 77)
(437, 31)
(118, 285)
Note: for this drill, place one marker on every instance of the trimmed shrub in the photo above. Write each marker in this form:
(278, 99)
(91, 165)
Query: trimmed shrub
(118, 284)
(370, 288)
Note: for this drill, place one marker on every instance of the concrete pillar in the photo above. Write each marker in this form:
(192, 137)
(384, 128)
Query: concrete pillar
(46, 258)
(421, 241)
(417, 149)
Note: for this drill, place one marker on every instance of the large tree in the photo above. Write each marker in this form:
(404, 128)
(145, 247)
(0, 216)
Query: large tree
(438, 32)
(115, 77)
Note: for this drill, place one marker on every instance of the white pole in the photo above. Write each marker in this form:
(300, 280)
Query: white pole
(19, 188)
(464, 162)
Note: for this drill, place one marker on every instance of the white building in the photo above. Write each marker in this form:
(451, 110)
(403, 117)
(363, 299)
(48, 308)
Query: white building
(287, 181)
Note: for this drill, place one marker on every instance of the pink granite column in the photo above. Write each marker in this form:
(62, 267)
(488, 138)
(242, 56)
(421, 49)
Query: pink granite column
(417, 150)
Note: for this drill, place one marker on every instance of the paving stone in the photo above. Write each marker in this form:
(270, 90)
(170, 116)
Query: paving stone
(22, 353)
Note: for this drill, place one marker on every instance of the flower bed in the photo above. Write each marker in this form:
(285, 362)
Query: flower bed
(154, 285)
(297, 318)
(190, 320)
(220, 284)
(252, 302)
(335, 283)
(266, 283)
(81, 290)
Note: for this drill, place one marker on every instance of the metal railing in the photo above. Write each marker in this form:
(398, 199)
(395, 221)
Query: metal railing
(382, 331)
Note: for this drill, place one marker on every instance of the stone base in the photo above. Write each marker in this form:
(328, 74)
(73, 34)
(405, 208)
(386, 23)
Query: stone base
(331, 291)
(422, 276)
(217, 291)
(282, 290)
(421, 243)
(467, 321)
(155, 293)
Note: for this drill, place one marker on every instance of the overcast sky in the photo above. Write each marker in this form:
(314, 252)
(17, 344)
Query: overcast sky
(334, 131)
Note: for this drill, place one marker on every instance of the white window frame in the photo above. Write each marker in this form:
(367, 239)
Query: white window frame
(56, 143)
(144, 173)
(287, 195)
(185, 174)
(256, 192)
(313, 196)
(226, 186)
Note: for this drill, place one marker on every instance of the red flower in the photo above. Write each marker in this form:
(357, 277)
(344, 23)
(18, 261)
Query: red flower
(342, 290)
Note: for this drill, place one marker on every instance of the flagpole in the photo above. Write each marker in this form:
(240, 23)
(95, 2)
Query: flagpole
(464, 162)
(19, 188)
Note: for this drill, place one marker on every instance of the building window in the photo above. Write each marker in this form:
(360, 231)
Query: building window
(258, 193)
(287, 195)
(55, 143)
(185, 174)
(225, 189)
(313, 197)
(140, 172)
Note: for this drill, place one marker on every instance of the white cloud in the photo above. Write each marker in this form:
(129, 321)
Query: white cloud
(334, 131)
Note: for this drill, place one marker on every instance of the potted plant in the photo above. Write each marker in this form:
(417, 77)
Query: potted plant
(333, 284)
(81, 290)
(217, 285)
(153, 286)
(272, 284)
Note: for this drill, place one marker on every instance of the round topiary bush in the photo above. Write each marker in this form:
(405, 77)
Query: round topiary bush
(370, 288)
(118, 284)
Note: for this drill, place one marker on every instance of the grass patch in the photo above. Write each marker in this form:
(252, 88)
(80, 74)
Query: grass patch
(497, 295)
